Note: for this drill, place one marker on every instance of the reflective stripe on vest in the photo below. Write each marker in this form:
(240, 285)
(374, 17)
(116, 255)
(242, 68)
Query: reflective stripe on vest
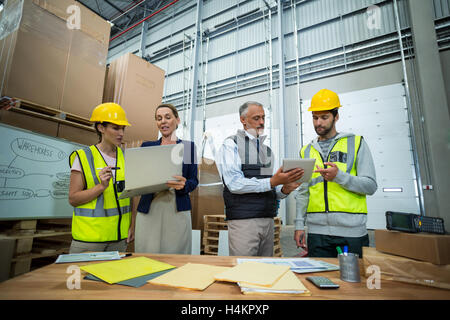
(328, 196)
(100, 219)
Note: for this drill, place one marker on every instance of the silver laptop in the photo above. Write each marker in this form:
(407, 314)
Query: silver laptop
(147, 169)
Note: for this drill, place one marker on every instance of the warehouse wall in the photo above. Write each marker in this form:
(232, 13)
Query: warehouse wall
(353, 81)
(332, 38)
(445, 62)
(368, 78)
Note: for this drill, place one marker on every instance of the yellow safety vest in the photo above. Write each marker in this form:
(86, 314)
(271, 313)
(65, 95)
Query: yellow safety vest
(328, 196)
(106, 218)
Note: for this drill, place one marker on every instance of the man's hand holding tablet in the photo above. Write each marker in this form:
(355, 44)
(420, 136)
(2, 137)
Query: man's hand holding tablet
(306, 164)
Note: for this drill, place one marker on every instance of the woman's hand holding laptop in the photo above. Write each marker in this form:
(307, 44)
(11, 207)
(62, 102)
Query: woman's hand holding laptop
(177, 184)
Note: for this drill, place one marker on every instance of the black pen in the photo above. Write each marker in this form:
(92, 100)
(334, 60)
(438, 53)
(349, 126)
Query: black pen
(112, 168)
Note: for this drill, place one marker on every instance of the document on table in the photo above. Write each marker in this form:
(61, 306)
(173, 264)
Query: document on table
(298, 265)
(192, 276)
(89, 256)
(252, 272)
(125, 269)
(135, 282)
(288, 284)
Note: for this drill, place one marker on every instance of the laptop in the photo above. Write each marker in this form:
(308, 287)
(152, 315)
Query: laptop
(147, 169)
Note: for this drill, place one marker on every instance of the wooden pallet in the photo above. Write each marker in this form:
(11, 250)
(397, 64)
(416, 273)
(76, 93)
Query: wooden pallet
(277, 230)
(211, 251)
(216, 226)
(40, 111)
(277, 252)
(35, 239)
(213, 224)
(219, 219)
(211, 242)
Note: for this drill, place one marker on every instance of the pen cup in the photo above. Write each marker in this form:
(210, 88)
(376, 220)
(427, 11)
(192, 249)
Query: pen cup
(349, 267)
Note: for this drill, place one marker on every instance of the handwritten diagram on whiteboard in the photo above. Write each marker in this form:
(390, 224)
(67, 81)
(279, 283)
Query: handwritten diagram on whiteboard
(34, 175)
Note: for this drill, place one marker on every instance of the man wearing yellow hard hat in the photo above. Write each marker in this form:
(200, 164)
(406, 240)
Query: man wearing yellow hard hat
(333, 204)
(101, 220)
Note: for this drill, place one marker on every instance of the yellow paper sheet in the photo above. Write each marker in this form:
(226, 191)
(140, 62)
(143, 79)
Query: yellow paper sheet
(288, 284)
(262, 274)
(125, 269)
(190, 276)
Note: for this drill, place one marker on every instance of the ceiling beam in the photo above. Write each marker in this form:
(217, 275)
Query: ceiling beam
(98, 13)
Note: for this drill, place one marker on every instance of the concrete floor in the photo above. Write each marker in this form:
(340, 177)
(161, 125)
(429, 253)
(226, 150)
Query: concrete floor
(289, 247)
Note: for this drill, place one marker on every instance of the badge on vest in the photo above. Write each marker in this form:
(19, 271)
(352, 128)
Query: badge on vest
(338, 156)
(120, 185)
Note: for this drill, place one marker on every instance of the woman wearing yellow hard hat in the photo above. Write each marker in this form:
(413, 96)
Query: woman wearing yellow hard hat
(101, 220)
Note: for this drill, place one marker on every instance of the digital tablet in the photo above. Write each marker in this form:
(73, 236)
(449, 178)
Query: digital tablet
(306, 164)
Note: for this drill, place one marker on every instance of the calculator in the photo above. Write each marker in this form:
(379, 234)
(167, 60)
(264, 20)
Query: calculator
(322, 282)
(410, 222)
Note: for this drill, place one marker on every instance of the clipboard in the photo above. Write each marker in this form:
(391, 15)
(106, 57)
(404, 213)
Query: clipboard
(147, 169)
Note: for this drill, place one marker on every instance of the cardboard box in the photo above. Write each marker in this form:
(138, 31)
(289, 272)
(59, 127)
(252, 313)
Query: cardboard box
(48, 127)
(85, 75)
(27, 122)
(35, 50)
(6, 254)
(402, 269)
(77, 135)
(46, 62)
(137, 86)
(208, 172)
(207, 198)
(421, 246)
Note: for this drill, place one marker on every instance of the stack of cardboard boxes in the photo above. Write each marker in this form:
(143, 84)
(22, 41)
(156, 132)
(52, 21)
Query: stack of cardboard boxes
(137, 86)
(48, 61)
(53, 54)
(418, 258)
(207, 198)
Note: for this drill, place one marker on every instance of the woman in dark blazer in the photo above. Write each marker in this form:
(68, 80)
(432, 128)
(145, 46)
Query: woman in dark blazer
(162, 221)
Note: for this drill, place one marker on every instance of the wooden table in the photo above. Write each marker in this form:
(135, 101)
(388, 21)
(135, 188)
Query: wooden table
(50, 283)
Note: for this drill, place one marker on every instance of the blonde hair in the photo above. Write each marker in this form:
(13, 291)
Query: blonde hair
(170, 106)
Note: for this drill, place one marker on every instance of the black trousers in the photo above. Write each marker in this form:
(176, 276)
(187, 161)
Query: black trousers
(324, 246)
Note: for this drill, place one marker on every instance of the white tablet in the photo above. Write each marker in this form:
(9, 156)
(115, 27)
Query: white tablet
(306, 164)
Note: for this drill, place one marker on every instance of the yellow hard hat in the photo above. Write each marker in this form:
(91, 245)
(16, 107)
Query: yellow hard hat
(110, 112)
(324, 100)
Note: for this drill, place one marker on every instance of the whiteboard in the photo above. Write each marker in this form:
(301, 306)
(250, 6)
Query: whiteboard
(380, 116)
(34, 175)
